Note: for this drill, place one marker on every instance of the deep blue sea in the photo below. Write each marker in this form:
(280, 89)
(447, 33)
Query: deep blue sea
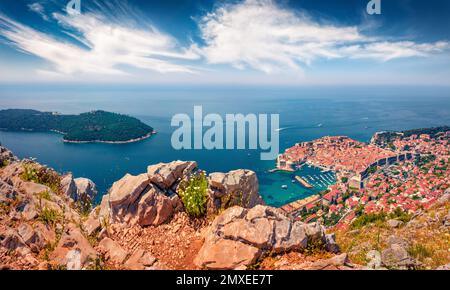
(357, 112)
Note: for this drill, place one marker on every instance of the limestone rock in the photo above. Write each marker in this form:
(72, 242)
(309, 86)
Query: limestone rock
(73, 258)
(112, 250)
(227, 254)
(68, 186)
(92, 225)
(29, 212)
(11, 240)
(394, 223)
(86, 190)
(238, 237)
(331, 245)
(7, 192)
(7, 156)
(26, 232)
(154, 208)
(239, 187)
(167, 175)
(339, 262)
(444, 267)
(374, 258)
(134, 200)
(72, 239)
(396, 257)
(140, 260)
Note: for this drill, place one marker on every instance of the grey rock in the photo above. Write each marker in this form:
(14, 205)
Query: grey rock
(112, 250)
(86, 190)
(374, 258)
(11, 240)
(73, 258)
(253, 232)
(396, 257)
(444, 267)
(331, 245)
(68, 186)
(168, 175)
(235, 188)
(394, 223)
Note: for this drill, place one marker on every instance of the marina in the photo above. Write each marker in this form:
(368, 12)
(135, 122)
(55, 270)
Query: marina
(289, 189)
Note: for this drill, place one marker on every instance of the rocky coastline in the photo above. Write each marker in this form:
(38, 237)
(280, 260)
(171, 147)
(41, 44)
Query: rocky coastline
(110, 142)
(142, 223)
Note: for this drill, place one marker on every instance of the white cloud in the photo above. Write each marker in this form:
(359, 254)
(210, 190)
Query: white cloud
(39, 9)
(386, 51)
(110, 48)
(111, 38)
(262, 35)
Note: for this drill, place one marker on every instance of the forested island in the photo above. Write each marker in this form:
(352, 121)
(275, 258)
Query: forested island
(95, 126)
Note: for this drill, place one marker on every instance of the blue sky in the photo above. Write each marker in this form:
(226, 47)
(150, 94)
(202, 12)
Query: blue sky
(305, 42)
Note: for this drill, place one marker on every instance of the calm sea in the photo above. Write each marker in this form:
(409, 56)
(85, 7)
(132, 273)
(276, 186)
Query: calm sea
(305, 114)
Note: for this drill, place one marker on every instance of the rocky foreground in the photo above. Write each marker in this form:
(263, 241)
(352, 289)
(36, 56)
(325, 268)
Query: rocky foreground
(141, 224)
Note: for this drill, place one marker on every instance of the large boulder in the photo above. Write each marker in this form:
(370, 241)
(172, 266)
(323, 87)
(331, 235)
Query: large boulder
(134, 200)
(146, 199)
(85, 190)
(124, 194)
(6, 156)
(396, 256)
(11, 240)
(374, 258)
(7, 192)
(235, 188)
(239, 237)
(73, 250)
(112, 251)
(68, 186)
(168, 175)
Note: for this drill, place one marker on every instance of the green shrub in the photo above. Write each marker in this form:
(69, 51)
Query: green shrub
(49, 216)
(193, 193)
(45, 195)
(4, 163)
(42, 175)
(366, 219)
(419, 251)
(400, 215)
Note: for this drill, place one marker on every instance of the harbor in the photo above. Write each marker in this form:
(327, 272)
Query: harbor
(291, 189)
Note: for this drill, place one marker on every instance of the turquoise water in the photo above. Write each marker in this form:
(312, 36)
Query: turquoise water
(355, 112)
(275, 195)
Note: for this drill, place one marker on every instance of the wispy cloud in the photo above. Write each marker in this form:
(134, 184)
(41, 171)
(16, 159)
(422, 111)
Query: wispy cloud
(39, 9)
(105, 45)
(113, 38)
(265, 36)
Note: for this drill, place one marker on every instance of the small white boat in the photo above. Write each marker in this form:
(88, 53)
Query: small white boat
(284, 187)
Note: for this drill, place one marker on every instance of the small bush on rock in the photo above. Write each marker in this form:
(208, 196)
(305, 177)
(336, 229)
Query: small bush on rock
(49, 216)
(42, 175)
(193, 193)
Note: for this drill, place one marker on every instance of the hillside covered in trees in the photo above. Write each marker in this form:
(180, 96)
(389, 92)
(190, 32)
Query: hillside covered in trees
(95, 126)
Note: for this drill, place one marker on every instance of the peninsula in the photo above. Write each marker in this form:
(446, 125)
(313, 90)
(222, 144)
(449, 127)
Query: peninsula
(91, 127)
